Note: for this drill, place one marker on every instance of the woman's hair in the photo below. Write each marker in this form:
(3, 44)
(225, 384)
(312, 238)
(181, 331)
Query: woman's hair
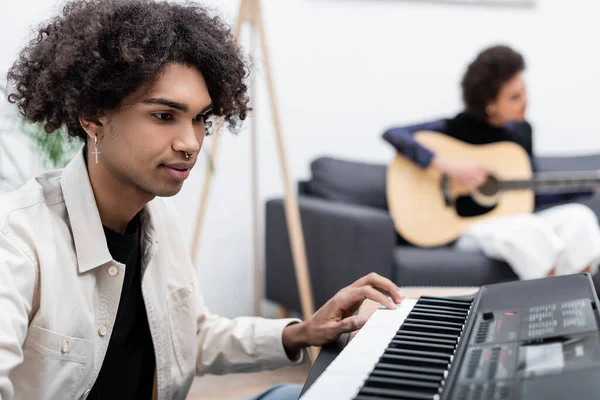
(486, 75)
(84, 62)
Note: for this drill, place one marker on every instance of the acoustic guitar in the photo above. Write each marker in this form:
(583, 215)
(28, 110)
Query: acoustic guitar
(426, 205)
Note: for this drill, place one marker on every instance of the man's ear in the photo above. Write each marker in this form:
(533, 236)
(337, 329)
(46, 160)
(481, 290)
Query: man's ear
(93, 126)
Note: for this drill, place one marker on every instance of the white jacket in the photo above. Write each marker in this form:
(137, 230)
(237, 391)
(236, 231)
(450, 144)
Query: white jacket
(60, 291)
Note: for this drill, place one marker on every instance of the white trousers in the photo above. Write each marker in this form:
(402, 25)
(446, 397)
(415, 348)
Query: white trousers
(565, 238)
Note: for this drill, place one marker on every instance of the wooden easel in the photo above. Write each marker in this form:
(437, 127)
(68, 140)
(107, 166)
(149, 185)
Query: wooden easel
(250, 13)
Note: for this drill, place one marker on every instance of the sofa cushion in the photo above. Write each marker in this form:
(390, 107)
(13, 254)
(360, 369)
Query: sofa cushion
(346, 181)
(447, 266)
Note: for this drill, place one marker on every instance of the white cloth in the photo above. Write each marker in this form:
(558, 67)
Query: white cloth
(565, 238)
(60, 290)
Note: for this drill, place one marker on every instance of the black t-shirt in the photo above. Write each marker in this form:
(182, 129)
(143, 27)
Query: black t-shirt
(128, 368)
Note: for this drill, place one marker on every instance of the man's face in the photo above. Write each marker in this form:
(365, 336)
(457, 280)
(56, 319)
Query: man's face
(144, 145)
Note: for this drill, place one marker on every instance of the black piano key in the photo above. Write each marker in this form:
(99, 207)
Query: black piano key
(432, 321)
(397, 393)
(465, 302)
(418, 334)
(417, 345)
(444, 303)
(418, 353)
(441, 309)
(437, 371)
(403, 383)
(437, 316)
(406, 375)
(424, 339)
(370, 397)
(413, 361)
(409, 326)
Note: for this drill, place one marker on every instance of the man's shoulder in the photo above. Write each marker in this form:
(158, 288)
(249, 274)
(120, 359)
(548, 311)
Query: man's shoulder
(30, 201)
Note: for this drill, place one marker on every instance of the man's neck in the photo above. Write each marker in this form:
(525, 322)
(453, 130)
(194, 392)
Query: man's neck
(117, 203)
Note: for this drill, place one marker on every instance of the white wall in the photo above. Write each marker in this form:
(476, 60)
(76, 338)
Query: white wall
(347, 69)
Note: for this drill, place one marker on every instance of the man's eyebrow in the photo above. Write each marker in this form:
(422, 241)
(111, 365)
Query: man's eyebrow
(168, 103)
(176, 105)
(207, 109)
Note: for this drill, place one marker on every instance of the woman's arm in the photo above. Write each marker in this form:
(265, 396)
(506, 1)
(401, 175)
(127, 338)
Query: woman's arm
(403, 140)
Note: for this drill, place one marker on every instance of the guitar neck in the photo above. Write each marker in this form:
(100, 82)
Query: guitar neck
(555, 182)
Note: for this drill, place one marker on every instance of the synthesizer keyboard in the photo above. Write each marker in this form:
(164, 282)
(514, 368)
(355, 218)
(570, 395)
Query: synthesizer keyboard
(536, 339)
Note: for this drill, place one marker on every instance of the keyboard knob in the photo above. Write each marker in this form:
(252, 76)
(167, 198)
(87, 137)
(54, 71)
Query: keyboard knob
(487, 316)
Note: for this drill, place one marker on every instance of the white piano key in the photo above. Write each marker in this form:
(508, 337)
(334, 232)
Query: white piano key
(361, 360)
(337, 386)
(344, 377)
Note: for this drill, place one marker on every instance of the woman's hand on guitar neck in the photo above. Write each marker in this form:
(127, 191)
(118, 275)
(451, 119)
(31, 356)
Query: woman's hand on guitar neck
(468, 173)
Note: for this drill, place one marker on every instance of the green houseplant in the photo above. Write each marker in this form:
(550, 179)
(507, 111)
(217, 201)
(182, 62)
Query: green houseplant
(51, 151)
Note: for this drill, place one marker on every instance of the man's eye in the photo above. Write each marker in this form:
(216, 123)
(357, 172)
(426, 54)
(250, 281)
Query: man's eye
(200, 118)
(163, 116)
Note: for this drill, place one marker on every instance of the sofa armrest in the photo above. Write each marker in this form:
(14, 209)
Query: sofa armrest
(343, 243)
(586, 162)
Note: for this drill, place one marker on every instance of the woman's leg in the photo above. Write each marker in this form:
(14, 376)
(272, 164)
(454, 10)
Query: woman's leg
(577, 227)
(523, 241)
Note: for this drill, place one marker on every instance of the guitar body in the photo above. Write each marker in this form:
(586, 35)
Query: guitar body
(419, 206)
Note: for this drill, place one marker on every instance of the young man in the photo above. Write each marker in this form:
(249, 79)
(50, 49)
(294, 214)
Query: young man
(98, 297)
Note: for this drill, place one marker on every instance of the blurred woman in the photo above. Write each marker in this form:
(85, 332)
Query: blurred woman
(561, 240)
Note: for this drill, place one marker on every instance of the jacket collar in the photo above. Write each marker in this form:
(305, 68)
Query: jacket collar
(91, 247)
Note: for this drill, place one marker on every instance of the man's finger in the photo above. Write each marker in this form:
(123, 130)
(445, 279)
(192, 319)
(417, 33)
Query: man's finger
(357, 295)
(366, 280)
(386, 286)
(380, 283)
(350, 324)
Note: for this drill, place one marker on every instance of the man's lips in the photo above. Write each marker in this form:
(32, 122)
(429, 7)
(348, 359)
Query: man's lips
(179, 166)
(179, 171)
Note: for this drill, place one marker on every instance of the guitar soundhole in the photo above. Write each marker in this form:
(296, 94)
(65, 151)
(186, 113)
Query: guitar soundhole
(490, 187)
(467, 207)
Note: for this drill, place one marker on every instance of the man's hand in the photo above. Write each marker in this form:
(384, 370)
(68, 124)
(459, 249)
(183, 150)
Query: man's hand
(337, 315)
(470, 174)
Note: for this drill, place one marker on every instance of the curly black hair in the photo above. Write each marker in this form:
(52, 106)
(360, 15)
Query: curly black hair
(486, 75)
(86, 60)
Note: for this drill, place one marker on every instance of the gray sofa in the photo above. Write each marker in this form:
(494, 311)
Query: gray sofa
(348, 233)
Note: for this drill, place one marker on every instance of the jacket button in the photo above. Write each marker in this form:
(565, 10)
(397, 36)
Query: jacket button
(65, 346)
(113, 270)
(102, 330)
